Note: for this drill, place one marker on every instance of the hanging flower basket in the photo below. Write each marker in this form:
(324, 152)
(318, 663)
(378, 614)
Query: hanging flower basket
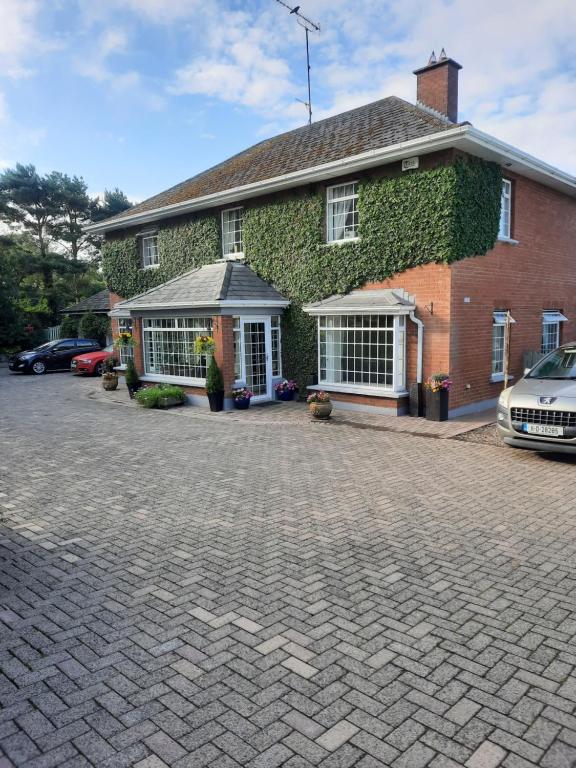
(125, 340)
(204, 345)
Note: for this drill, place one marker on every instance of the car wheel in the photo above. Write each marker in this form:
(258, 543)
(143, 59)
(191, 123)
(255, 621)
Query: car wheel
(98, 368)
(38, 367)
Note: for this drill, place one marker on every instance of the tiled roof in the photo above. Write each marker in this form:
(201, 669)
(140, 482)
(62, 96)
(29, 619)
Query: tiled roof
(207, 286)
(98, 302)
(373, 126)
(379, 300)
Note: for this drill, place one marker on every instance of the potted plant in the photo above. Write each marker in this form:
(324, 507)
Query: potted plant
(109, 375)
(320, 405)
(286, 389)
(215, 386)
(241, 398)
(437, 388)
(131, 378)
(124, 340)
(170, 396)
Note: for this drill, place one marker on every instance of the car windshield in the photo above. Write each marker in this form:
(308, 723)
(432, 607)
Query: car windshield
(109, 348)
(560, 364)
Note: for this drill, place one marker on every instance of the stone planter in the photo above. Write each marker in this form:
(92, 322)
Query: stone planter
(437, 405)
(216, 400)
(320, 411)
(110, 381)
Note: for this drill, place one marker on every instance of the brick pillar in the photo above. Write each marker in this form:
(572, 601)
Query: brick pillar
(138, 349)
(223, 334)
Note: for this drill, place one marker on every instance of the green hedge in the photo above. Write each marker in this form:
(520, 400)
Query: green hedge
(430, 216)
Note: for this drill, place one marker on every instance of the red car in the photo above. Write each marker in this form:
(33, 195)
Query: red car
(91, 364)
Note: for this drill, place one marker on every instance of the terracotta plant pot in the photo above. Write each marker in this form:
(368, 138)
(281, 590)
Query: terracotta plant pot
(320, 410)
(110, 381)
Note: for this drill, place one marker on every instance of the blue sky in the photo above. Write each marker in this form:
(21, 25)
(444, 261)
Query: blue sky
(142, 94)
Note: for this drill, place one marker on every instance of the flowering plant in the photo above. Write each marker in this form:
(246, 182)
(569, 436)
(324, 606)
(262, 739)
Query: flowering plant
(243, 393)
(287, 385)
(437, 382)
(318, 397)
(125, 339)
(204, 345)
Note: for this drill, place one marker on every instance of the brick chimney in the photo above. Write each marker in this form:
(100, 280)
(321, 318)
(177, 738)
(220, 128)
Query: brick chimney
(437, 85)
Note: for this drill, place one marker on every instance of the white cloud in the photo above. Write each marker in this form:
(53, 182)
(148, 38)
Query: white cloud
(20, 41)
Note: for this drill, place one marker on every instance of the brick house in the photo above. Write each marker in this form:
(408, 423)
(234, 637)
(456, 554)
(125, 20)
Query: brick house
(360, 254)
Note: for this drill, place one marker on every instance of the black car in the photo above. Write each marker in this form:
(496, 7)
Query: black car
(52, 356)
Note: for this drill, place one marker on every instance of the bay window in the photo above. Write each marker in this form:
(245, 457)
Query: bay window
(169, 346)
(362, 351)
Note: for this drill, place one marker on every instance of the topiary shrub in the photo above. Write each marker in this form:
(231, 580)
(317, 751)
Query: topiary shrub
(69, 327)
(131, 376)
(214, 378)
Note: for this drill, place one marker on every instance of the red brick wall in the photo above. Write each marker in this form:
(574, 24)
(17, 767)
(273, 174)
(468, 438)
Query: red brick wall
(438, 88)
(538, 273)
(223, 334)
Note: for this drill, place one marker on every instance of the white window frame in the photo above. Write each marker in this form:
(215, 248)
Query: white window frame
(203, 328)
(150, 257)
(273, 325)
(232, 254)
(125, 325)
(551, 319)
(398, 387)
(505, 225)
(330, 215)
(499, 321)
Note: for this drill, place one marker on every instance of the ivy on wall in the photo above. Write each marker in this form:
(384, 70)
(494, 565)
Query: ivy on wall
(431, 216)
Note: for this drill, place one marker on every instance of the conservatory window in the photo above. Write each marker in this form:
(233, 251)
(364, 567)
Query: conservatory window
(169, 346)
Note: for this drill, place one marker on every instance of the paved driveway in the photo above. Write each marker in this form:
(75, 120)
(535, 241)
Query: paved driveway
(196, 592)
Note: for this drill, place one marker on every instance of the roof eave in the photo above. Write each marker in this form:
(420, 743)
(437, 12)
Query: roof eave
(211, 305)
(464, 137)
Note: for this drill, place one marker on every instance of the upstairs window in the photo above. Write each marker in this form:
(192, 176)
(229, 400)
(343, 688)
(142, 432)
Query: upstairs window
(551, 320)
(505, 210)
(342, 209)
(232, 232)
(150, 255)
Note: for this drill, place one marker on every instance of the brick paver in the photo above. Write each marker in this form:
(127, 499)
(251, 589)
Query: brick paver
(227, 592)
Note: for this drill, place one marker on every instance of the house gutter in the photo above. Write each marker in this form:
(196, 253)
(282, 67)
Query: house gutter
(464, 137)
(419, 364)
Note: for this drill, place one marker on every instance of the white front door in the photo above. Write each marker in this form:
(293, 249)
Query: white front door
(256, 348)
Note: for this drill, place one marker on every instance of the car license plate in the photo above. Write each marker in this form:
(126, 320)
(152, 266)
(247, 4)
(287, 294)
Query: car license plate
(543, 429)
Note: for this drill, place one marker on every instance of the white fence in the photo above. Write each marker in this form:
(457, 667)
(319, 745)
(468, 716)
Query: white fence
(53, 333)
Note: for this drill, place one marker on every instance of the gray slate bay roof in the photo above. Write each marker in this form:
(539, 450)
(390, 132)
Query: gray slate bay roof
(379, 301)
(211, 285)
(373, 126)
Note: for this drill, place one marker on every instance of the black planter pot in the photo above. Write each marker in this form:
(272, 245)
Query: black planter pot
(216, 400)
(437, 405)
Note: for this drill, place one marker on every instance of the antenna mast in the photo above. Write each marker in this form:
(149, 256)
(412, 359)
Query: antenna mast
(308, 26)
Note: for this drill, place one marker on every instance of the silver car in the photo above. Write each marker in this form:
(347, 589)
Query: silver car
(540, 411)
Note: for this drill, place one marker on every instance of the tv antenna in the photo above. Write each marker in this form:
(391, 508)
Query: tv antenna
(308, 26)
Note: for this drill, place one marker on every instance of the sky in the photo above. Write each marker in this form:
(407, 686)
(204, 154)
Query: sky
(142, 94)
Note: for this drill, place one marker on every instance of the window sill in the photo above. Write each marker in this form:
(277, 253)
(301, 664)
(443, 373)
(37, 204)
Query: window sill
(151, 266)
(234, 256)
(509, 240)
(351, 390)
(344, 241)
(497, 378)
(182, 380)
